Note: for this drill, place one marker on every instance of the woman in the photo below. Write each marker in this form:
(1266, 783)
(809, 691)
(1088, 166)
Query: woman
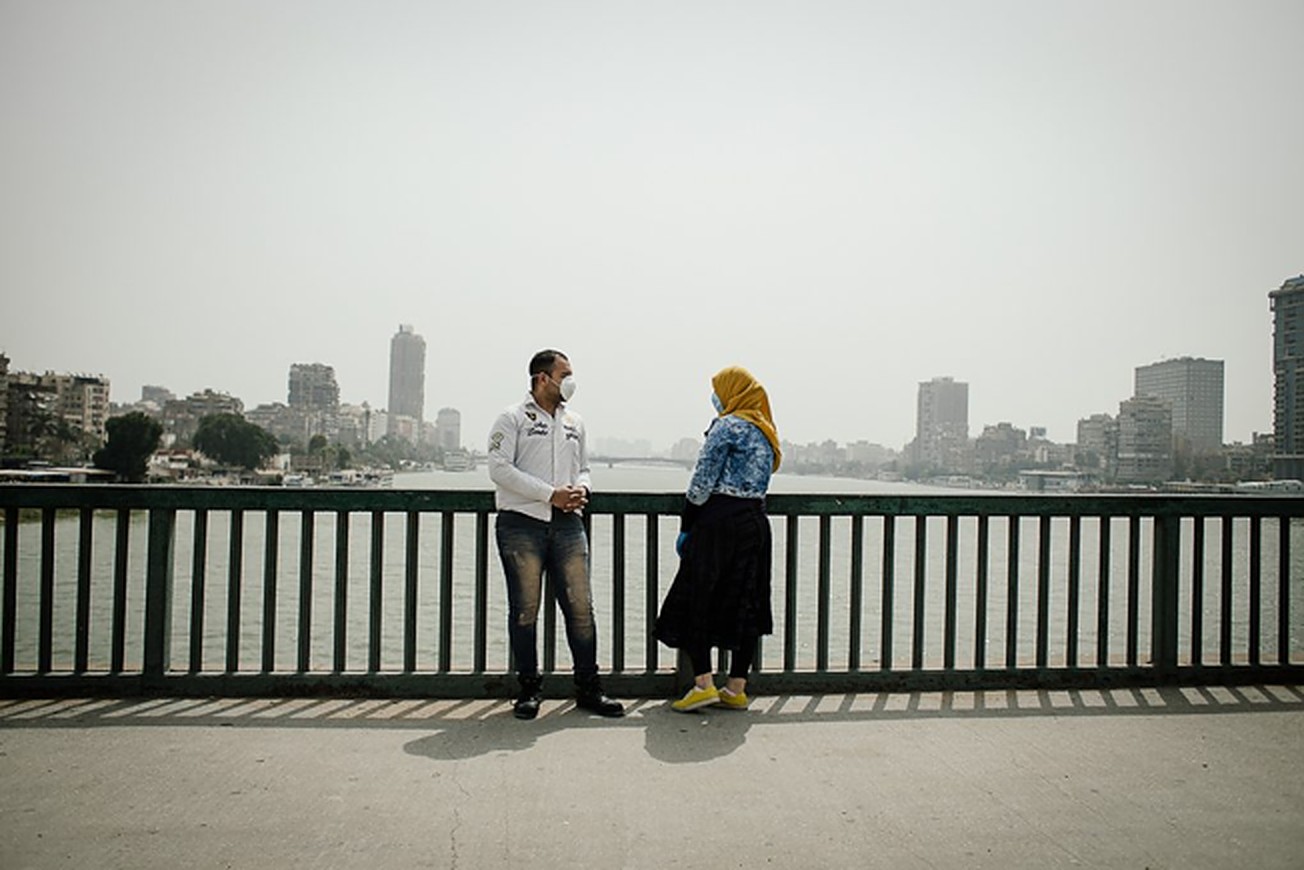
(720, 596)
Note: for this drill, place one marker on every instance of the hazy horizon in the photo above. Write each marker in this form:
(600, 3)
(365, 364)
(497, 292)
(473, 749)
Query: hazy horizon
(848, 198)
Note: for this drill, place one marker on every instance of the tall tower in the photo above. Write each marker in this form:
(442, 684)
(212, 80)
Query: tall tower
(1287, 304)
(407, 383)
(1194, 390)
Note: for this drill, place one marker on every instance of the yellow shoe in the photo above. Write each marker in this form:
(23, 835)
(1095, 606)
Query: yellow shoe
(695, 699)
(733, 701)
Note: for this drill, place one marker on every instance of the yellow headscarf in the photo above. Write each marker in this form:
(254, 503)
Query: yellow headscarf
(743, 396)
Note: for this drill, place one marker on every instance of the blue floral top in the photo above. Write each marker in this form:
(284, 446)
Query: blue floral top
(736, 460)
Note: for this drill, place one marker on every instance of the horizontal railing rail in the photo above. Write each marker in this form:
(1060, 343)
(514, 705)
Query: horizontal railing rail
(249, 591)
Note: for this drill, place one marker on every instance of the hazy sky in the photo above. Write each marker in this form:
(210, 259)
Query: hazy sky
(848, 198)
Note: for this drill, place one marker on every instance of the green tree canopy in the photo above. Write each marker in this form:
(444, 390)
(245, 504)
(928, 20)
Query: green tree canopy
(232, 440)
(132, 439)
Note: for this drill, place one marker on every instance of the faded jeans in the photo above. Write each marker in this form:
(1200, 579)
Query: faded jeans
(529, 547)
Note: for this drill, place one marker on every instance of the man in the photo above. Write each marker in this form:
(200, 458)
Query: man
(538, 461)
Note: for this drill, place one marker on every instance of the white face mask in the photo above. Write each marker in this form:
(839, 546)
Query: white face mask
(719, 406)
(567, 386)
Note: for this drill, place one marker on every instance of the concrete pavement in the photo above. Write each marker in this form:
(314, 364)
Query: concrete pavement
(1182, 778)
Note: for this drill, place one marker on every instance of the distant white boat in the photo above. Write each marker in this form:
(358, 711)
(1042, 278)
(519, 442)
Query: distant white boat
(458, 460)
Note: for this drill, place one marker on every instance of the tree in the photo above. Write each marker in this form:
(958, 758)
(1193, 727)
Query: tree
(132, 439)
(232, 440)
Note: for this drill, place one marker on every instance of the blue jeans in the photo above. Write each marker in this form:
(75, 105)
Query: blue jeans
(529, 547)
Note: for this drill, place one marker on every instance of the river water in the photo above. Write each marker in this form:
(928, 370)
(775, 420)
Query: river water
(635, 478)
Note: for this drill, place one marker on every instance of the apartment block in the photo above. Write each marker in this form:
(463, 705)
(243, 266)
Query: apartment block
(1145, 440)
(181, 416)
(54, 416)
(942, 425)
(312, 387)
(1287, 305)
(1193, 388)
(1097, 445)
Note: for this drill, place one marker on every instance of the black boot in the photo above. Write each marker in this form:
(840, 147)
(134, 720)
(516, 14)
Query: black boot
(527, 702)
(588, 696)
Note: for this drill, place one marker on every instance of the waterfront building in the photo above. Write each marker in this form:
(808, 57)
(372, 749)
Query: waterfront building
(1145, 440)
(4, 402)
(158, 395)
(448, 429)
(355, 425)
(314, 401)
(1097, 445)
(1287, 304)
(181, 416)
(999, 446)
(1193, 387)
(55, 416)
(942, 426)
(407, 383)
(1251, 461)
(869, 454)
(377, 426)
(312, 387)
(404, 427)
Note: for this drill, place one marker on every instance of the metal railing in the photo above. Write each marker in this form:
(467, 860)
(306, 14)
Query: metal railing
(269, 591)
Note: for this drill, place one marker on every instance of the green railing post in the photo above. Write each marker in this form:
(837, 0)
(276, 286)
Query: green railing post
(1163, 596)
(158, 595)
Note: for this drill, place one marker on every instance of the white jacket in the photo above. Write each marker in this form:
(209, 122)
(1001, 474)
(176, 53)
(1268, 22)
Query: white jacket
(531, 453)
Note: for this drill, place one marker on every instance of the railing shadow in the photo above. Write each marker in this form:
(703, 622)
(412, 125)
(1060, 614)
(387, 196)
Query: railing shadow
(466, 729)
(767, 710)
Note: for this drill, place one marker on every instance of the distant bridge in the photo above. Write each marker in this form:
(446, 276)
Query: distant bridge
(640, 460)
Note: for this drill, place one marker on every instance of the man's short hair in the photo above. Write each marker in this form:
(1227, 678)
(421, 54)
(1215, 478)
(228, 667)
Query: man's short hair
(544, 360)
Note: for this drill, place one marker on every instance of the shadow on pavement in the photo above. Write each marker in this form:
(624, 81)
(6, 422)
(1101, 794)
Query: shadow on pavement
(643, 713)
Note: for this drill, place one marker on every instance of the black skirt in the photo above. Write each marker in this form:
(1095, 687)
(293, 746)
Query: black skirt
(720, 596)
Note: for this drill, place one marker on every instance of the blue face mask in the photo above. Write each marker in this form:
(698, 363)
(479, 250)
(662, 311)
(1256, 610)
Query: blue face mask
(719, 406)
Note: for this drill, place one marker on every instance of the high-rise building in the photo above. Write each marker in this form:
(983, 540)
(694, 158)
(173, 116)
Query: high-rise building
(942, 425)
(448, 428)
(1145, 440)
(1287, 304)
(407, 383)
(4, 402)
(1193, 389)
(313, 388)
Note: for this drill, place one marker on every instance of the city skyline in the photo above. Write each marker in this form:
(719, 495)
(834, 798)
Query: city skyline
(848, 199)
(941, 405)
